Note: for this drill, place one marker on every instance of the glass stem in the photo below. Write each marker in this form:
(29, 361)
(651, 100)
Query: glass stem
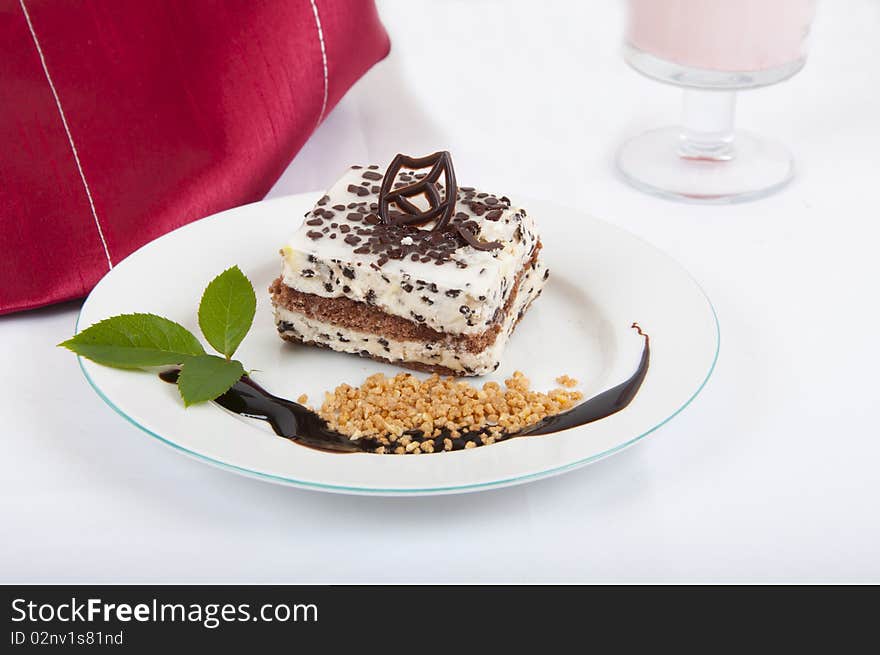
(707, 125)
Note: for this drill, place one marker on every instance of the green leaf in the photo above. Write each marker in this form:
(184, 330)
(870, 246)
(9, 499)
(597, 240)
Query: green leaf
(205, 377)
(227, 310)
(135, 341)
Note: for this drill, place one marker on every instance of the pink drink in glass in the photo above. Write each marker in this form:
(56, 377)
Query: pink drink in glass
(721, 35)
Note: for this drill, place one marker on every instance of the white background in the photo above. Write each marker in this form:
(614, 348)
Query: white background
(773, 474)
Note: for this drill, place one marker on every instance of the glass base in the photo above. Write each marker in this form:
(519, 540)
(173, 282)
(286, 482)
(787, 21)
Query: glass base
(704, 78)
(651, 162)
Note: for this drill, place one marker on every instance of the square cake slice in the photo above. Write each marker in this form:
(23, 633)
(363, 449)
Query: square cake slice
(433, 297)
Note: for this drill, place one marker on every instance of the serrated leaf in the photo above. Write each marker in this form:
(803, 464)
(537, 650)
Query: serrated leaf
(227, 310)
(135, 341)
(207, 376)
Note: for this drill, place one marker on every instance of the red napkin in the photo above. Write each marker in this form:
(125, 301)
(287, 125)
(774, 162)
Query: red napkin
(120, 121)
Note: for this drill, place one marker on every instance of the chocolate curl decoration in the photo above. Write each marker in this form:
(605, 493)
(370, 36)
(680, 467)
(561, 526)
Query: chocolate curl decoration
(472, 240)
(440, 163)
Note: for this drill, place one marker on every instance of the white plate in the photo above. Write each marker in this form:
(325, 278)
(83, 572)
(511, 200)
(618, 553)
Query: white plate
(602, 280)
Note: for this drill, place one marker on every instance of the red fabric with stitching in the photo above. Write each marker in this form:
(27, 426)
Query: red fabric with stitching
(176, 110)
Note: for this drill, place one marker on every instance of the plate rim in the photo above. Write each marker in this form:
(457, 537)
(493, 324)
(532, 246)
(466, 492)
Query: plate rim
(414, 491)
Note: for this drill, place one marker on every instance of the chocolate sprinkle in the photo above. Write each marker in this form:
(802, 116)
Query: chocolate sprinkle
(393, 229)
(472, 241)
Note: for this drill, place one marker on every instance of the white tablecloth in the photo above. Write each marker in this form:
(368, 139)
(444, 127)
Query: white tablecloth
(773, 474)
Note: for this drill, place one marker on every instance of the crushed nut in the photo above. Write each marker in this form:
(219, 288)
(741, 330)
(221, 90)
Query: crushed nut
(566, 381)
(404, 414)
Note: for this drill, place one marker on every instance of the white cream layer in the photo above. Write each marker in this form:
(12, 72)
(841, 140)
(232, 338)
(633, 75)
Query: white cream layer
(446, 298)
(431, 353)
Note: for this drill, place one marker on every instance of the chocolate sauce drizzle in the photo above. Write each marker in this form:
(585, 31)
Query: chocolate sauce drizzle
(303, 426)
(440, 163)
(287, 418)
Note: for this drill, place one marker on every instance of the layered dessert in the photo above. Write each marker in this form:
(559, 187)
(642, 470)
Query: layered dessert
(403, 266)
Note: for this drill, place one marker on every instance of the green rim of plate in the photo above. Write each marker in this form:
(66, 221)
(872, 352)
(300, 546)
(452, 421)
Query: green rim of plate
(414, 491)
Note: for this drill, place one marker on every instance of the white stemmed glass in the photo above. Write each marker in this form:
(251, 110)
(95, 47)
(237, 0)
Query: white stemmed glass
(712, 49)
